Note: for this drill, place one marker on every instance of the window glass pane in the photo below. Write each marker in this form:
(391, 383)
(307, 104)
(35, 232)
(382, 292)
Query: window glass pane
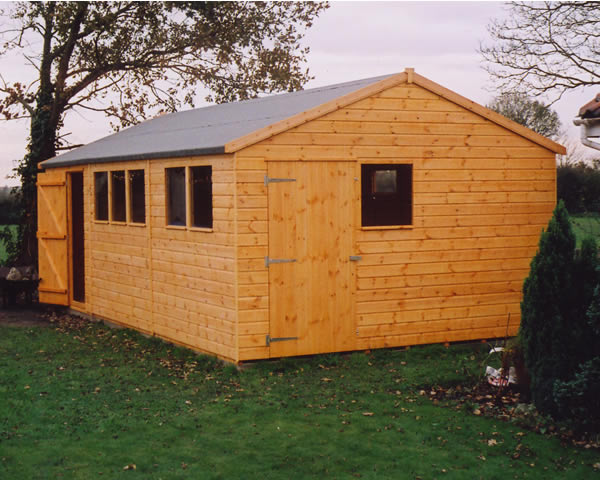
(175, 178)
(117, 181)
(101, 195)
(201, 182)
(137, 196)
(384, 181)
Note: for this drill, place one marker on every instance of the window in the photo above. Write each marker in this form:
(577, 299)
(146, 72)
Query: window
(118, 196)
(137, 196)
(101, 195)
(125, 200)
(189, 196)
(201, 183)
(386, 195)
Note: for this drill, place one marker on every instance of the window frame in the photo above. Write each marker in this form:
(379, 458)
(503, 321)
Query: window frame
(378, 165)
(128, 217)
(189, 200)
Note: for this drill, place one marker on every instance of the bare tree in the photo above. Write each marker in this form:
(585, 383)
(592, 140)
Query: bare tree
(545, 47)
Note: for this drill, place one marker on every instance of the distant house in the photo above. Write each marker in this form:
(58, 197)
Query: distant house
(589, 121)
(376, 213)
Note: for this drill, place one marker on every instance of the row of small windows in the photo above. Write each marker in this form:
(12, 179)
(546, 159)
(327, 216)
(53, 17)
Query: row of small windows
(120, 196)
(386, 198)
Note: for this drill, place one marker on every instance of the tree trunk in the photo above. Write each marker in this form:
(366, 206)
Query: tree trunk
(42, 146)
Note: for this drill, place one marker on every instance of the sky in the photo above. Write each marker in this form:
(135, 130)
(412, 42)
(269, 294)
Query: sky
(349, 41)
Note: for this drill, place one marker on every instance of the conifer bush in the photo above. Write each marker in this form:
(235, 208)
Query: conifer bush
(554, 330)
(579, 398)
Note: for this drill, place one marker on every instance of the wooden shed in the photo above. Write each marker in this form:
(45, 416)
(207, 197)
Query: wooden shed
(382, 212)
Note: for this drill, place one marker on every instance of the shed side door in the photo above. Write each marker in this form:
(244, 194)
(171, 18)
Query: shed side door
(311, 277)
(52, 238)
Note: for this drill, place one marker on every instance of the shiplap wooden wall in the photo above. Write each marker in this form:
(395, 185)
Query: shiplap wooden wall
(174, 282)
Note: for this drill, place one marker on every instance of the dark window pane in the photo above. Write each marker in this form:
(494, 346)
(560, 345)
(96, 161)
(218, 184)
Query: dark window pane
(117, 186)
(175, 178)
(201, 182)
(101, 195)
(137, 196)
(386, 195)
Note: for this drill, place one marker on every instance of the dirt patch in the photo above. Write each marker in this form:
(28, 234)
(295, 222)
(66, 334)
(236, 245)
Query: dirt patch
(26, 316)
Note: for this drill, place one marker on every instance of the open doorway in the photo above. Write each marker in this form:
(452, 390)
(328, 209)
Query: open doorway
(77, 240)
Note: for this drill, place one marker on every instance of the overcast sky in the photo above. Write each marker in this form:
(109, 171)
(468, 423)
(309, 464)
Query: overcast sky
(349, 41)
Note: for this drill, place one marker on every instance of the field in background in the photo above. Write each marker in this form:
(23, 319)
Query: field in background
(586, 225)
(13, 229)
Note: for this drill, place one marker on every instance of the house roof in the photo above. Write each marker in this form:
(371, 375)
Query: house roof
(591, 109)
(230, 127)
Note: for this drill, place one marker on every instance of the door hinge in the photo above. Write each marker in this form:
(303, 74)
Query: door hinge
(355, 258)
(269, 261)
(277, 180)
(270, 339)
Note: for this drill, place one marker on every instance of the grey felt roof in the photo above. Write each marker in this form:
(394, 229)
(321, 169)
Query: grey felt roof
(203, 131)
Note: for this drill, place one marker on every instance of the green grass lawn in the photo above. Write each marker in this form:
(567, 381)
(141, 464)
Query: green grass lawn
(586, 226)
(101, 403)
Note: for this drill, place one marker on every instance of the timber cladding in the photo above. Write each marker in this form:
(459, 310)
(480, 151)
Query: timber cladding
(287, 267)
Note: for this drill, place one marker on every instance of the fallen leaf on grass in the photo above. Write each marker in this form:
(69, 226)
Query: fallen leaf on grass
(492, 442)
(368, 414)
(131, 466)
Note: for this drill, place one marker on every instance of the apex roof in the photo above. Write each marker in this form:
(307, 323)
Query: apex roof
(232, 126)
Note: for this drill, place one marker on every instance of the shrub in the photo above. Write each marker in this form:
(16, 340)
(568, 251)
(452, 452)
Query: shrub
(556, 295)
(579, 398)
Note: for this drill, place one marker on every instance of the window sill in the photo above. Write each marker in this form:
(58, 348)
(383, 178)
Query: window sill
(121, 224)
(389, 227)
(189, 229)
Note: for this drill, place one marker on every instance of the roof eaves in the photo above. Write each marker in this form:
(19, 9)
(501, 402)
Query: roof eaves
(141, 156)
(489, 114)
(314, 112)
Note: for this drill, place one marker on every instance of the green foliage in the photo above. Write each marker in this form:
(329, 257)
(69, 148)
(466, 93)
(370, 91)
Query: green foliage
(579, 398)
(9, 244)
(556, 295)
(132, 60)
(578, 186)
(528, 112)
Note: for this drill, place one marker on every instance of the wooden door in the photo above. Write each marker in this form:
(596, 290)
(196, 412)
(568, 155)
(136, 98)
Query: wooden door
(52, 238)
(311, 277)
